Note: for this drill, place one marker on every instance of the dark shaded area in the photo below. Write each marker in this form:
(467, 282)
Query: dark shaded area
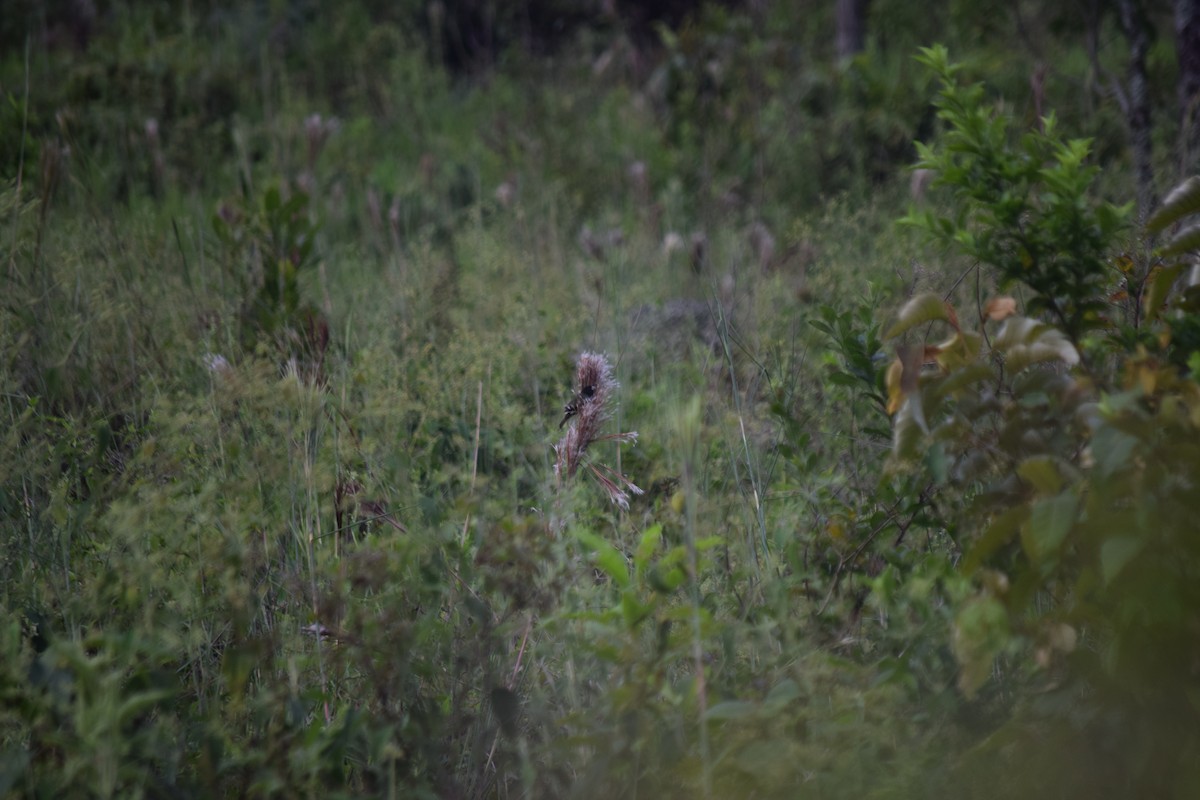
(467, 35)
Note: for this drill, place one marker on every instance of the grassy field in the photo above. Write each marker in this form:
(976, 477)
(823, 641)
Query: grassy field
(291, 315)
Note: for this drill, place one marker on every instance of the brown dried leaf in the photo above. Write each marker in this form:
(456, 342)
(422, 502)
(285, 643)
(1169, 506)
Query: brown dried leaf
(895, 394)
(999, 308)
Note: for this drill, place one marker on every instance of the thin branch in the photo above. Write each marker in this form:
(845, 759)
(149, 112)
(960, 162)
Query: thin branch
(841, 567)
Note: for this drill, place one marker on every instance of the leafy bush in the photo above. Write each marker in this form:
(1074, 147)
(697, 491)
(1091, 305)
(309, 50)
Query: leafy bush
(1022, 207)
(356, 573)
(1073, 489)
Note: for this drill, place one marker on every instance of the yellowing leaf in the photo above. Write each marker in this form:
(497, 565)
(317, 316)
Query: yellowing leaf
(1026, 258)
(919, 310)
(903, 376)
(892, 381)
(1147, 377)
(999, 308)
(1015, 331)
(908, 427)
(958, 351)
(1063, 637)
(1026, 341)
(910, 373)
(1042, 474)
(911, 411)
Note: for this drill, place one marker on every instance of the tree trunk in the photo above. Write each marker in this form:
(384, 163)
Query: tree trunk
(1134, 24)
(851, 20)
(1187, 45)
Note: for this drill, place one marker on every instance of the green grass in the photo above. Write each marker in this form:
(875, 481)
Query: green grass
(774, 616)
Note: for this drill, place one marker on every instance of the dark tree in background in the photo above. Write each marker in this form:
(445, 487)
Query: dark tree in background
(1135, 102)
(851, 27)
(1187, 42)
(471, 34)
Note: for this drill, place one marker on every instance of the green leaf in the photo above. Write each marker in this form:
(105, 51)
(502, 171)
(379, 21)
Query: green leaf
(922, 308)
(1116, 553)
(1187, 240)
(632, 610)
(608, 559)
(1161, 281)
(769, 761)
(1050, 520)
(1184, 199)
(839, 378)
(937, 463)
(647, 545)
(477, 608)
(141, 702)
(14, 763)
(999, 533)
(937, 59)
(1112, 451)
(981, 632)
(730, 709)
(782, 694)
(294, 205)
(1111, 217)
(665, 580)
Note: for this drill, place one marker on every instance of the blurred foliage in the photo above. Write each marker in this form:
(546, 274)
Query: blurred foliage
(1073, 487)
(1021, 206)
(292, 294)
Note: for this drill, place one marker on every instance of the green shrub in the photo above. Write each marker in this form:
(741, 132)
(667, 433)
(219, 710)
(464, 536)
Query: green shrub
(1069, 484)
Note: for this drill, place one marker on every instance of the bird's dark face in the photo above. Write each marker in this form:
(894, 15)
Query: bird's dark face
(572, 408)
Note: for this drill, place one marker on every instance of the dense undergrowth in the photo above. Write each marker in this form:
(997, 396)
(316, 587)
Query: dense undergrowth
(291, 313)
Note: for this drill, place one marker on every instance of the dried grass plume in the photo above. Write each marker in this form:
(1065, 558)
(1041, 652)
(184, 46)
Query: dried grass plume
(588, 411)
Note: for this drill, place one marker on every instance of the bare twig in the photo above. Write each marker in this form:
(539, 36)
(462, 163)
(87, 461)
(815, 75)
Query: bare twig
(841, 567)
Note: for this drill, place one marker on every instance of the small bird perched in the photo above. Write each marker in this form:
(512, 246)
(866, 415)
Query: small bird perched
(588, 412)
(572, 408)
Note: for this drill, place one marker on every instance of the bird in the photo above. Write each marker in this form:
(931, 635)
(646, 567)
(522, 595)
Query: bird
(572, 408)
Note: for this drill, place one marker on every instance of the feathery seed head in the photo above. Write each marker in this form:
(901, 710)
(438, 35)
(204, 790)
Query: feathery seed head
(587, 413)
